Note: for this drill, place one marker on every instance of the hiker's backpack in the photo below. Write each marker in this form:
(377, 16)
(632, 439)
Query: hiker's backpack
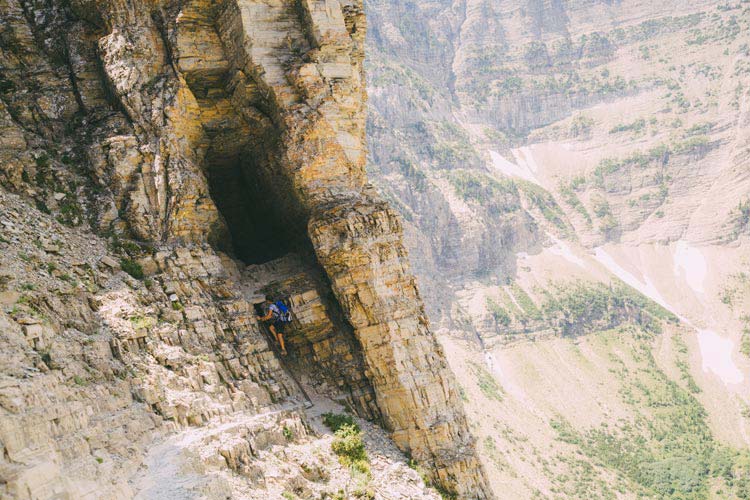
(285, 315)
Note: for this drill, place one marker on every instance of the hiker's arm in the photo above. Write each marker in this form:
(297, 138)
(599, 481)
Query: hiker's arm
(266, 317)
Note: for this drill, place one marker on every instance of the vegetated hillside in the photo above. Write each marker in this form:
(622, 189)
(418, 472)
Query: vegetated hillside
(574, 183)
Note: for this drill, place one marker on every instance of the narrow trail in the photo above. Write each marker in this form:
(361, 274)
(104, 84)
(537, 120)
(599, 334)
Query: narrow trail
(283, 361)
(173, 470)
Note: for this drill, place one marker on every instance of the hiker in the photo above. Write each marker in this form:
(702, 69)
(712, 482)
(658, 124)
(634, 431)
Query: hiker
(280, 314)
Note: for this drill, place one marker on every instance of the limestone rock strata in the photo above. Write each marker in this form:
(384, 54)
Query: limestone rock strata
(358, 242)
(360, 246)
(328, 356)
(201, 126)
(96, 364)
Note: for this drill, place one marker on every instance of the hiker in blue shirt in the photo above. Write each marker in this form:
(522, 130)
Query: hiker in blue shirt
(279, 314)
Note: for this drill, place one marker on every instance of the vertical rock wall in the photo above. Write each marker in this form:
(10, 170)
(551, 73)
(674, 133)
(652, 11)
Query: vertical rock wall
(357, 237)
(360, 245)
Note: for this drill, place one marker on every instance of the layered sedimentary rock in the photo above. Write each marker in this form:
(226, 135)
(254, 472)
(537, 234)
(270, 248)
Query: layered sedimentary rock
(360, 246)
(206, 126)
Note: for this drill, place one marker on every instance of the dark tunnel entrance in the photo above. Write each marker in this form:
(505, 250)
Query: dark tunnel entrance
(255, 199)
(267, 231)
(257, 231)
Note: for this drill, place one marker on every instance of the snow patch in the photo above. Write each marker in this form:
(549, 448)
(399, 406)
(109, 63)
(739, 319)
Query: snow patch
(716, 354)
(525, 159)
(511, 169)
(646, 287)
(690, 263)
(716, 351)
(563, 250)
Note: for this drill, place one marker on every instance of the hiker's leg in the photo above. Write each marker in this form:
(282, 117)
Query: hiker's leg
(280, 335)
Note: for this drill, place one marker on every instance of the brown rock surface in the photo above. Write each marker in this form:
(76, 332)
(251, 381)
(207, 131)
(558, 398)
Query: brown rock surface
(181, 131)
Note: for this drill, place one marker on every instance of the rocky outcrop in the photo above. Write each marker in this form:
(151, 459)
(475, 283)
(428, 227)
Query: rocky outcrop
(98, 363)
(194, 128)
(360, 246)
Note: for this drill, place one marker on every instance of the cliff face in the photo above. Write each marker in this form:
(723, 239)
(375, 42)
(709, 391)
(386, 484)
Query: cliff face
(596, 94)
(182, 131)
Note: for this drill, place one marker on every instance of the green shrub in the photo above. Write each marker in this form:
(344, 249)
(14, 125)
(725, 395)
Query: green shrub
(545, 202)
(637, 126)
(350, 448)
(699, 145)
(497, 196)
(142, 322)
(601, 206)
(132, 267)
(445, 493)
(487, 383)
(743, 210)
(335, 421)
(745, 341)
(580, 307)
(71, 213)
(499, 314)
(571, 199)
(699, 129)
(530, 310)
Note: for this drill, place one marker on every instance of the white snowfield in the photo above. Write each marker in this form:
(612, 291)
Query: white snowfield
(716, 354)
(689, 263)
(646, 287)
(563, 250)
(520, 170)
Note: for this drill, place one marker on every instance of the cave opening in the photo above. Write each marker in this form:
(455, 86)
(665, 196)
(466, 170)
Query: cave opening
(258, 229)
(255, 233)
(264, 225)
(266, 230)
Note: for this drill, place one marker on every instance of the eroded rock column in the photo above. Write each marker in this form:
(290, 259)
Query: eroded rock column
(359, 243)
(315, 84)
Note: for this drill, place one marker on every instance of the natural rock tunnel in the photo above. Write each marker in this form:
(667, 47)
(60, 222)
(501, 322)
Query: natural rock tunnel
(257, 230)
(262, 224)
(279, 262)
(240, 147)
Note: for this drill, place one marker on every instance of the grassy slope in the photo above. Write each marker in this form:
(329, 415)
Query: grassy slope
(595, 417)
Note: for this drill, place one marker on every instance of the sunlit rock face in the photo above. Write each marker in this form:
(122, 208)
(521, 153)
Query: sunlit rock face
(201, 137)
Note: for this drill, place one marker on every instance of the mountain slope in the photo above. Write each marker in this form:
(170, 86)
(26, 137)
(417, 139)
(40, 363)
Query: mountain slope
(541, 149)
